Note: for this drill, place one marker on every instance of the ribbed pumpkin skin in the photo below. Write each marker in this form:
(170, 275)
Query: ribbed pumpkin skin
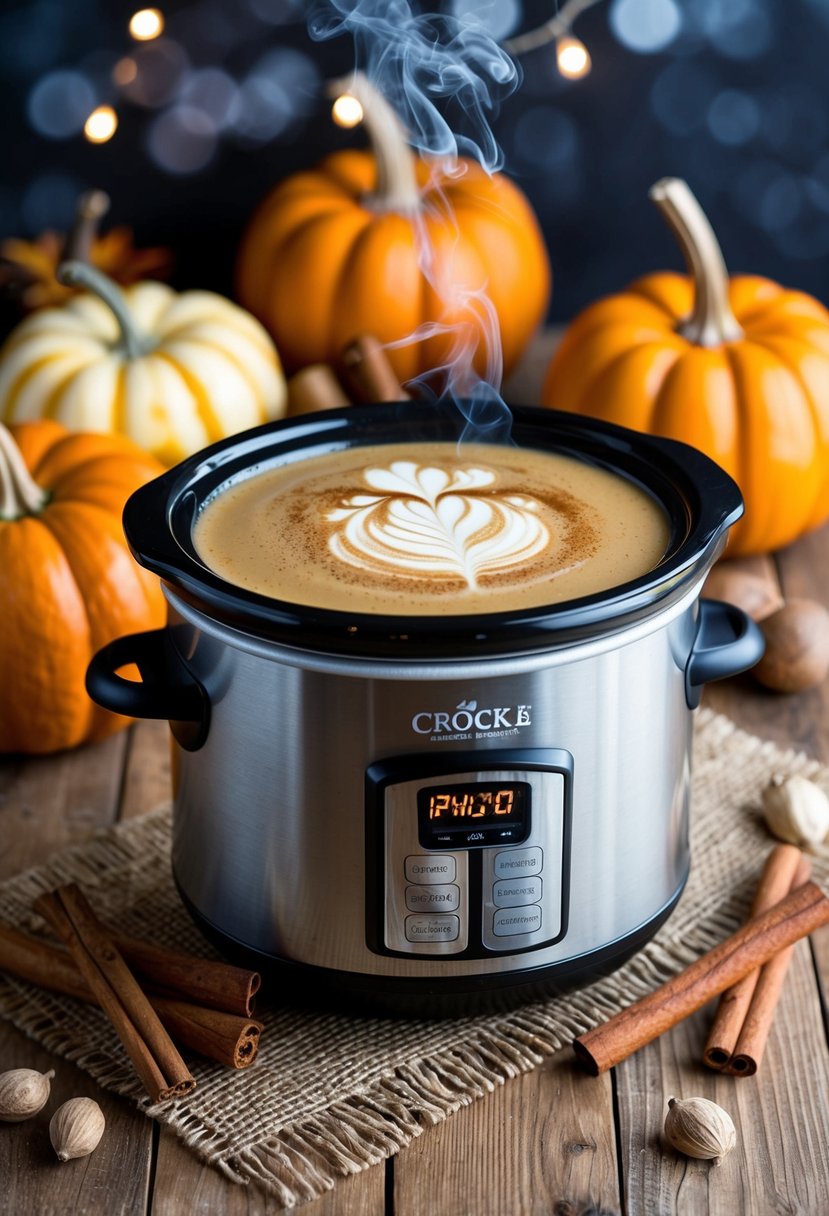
(68, 585)
(758, 406)
(319, 268)
(212, 370)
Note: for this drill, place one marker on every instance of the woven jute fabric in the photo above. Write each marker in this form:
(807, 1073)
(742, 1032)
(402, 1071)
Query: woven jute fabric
(330, 1095)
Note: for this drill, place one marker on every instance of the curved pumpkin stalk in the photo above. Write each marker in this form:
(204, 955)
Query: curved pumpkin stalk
(79, 274)
(711, 321)
(397, 188)
(19, 493)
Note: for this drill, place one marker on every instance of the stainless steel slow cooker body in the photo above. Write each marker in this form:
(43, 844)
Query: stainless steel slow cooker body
(308, 743)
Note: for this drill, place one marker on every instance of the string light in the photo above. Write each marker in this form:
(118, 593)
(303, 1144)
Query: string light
(347, 111)
(101, 125)
(572, 58)
(146, 24)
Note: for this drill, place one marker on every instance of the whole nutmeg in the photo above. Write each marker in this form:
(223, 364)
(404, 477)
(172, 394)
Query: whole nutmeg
(699, 1128)
(76, 1128)
(797, 647)
(796, 810)
(23, 1092)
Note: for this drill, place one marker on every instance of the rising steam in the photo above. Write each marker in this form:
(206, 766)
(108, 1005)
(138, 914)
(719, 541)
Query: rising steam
(445, 79)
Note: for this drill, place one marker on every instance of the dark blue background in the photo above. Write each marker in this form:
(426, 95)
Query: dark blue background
(736, 101)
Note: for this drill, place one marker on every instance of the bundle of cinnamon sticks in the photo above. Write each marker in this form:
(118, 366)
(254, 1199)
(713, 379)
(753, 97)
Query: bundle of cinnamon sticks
(154, 997)
(747, 970)
(361, 374)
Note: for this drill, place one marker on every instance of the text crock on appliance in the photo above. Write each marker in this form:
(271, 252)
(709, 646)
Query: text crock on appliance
(312, 748)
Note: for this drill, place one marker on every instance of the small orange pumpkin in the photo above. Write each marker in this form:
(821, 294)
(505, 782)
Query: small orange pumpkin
(68, 584)
(334, 253)
(739, 368)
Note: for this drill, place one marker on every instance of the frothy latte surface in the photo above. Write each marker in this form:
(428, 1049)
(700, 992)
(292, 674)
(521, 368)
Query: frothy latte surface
(430, 528)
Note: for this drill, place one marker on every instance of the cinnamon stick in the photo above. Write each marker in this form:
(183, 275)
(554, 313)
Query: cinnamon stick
(776, 881)
(367, 372)
(754, 1033)
(224, 1037)
(201, 980)
(313, 389)
(153, 1054)
(227, 1038)
(799, 913)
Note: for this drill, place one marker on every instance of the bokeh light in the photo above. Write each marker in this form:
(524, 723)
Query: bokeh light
(497, 17)
(347, 111)
(763, 194)
(794, 120)
(681, 96)
(160, 67)
(214, 92)
(572, 58)
(146, 24)
(59, 104)
(125, 71)
(277, 12)
(645, 26)
(182, 140)
(780, 202)
(101, 125)
(733, 117)
(737, 29)
(281, 88)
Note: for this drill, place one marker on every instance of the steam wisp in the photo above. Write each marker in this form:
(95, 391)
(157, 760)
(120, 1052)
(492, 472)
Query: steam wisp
(428, 66)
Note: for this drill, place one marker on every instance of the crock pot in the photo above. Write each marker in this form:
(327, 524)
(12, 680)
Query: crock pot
(308, 743)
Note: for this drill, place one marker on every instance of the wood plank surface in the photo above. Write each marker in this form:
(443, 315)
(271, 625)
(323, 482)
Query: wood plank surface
(542, 1143)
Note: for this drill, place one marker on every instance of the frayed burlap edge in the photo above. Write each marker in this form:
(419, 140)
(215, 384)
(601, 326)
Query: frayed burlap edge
(304, 1157)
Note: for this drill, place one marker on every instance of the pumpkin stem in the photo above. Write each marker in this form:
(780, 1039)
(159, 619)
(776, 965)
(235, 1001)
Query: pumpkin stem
(19, 492)
(711, 321)
(89, 209)
(397, 188)
(78, 274)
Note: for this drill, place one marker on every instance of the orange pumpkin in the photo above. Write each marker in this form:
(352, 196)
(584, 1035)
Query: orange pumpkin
(68, 584)
(739, 368)
(335, 253)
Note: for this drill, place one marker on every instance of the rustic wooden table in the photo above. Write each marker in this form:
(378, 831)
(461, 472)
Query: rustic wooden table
(554, 1142)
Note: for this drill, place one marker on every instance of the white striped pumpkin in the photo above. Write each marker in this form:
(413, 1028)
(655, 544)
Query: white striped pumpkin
(172, 371)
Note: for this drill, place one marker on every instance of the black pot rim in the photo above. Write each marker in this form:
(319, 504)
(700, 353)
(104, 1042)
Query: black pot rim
(699, 498)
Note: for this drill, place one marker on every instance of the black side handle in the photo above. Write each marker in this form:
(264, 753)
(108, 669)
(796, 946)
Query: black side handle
(727, 641)
(168, 689)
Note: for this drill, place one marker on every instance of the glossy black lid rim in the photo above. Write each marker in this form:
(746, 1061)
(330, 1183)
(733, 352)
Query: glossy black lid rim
(699, 498)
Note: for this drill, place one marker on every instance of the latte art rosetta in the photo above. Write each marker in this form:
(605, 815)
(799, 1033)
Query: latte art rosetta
(424, 521)
(430, 529)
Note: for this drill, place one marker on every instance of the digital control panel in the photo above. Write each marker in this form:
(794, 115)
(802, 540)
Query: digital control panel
(468, 861)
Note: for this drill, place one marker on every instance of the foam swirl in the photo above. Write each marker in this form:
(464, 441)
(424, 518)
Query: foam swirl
(424, 521)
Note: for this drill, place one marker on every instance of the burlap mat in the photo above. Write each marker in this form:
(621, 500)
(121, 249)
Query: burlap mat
(331, 1095)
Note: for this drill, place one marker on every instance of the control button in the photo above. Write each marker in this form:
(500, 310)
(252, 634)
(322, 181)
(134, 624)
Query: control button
(516, 862)
(435, 898)
(432, 928)
(435, 867)
(515, 892)
(509, 922)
